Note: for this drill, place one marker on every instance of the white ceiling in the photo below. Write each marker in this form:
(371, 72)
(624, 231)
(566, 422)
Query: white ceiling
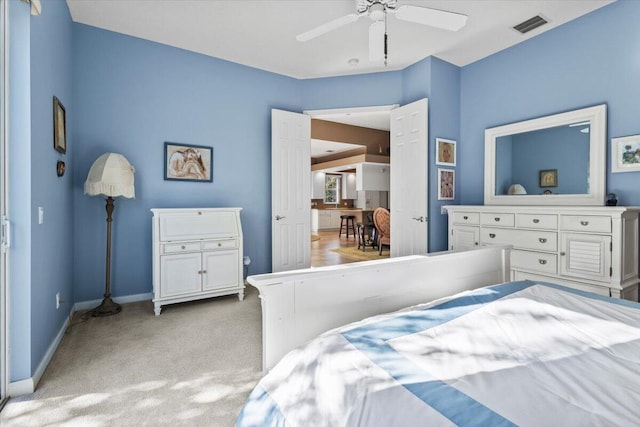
(261, 33)
(322, 148)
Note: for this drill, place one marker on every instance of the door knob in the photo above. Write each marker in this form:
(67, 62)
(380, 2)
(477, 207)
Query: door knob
(421, 218)
(278, 217)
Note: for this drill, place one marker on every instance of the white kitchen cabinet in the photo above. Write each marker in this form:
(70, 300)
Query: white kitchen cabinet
(317, 185)
(589, 248)
(372, 177)
(349, 186)
(324, 220)
(197, 253)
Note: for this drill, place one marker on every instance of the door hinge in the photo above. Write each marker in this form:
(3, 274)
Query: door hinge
(610, 271)
(6, 233)
(610, 246)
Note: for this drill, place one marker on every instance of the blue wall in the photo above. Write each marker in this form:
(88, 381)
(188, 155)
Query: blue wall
(589, 61)
(132, 95)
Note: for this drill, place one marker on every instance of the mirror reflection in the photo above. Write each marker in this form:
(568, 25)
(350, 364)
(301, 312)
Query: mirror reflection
(553, 160)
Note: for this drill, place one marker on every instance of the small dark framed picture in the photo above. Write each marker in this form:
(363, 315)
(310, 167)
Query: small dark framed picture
(447, 184)
(184, 162)
(59, 126)
(549, 178)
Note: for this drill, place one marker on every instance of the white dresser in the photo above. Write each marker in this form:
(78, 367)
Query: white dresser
(197, 253)
(589, 248)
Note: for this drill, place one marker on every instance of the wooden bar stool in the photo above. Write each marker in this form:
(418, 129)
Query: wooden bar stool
(348, 222)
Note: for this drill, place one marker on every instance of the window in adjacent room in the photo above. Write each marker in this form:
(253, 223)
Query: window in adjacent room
(332, 189)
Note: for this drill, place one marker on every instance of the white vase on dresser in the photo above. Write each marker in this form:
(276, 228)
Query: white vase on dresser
(197, 253)
(584, 247)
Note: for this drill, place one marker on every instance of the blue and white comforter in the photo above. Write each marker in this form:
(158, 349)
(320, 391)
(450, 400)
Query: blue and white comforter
(519, 353)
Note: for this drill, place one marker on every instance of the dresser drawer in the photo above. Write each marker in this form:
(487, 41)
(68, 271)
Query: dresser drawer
(591, 223)
(534, 261)
(543, 221)
(498, 219)
(219, 244)
(198, 224)
(520, 239)
(471, 218)
(173, 248)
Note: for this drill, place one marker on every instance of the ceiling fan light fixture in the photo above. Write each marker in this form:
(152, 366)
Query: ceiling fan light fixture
(376, 12)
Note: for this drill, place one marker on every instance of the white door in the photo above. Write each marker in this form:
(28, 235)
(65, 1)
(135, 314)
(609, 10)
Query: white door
(290, 191)
(409, 184)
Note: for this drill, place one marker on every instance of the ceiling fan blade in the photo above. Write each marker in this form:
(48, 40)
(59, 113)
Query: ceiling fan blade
(433, 17)
(329, 26)
(376, 41)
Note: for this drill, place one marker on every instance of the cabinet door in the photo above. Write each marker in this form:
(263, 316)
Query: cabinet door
(335, 219)
(586, 256)
(220, 269)
(464, 238)
(324, 220)
(349, 186)
(317, 185)
(180, 274)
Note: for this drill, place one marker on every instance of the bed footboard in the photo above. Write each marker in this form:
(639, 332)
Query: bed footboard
(299, 305)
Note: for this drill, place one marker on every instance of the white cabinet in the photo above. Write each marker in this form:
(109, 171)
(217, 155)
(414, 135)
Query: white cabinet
(589, 248)
(349, 186)
(317, 185)
(372, 177)
(324, 220)
(197, 253)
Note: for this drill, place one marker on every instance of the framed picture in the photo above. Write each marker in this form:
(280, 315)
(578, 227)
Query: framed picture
(549, 178)
(59, 126)
(184, 162)
(447, 184)
(625, 154)
(445, 152)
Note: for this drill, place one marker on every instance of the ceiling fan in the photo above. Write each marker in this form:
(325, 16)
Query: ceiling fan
(377, 11)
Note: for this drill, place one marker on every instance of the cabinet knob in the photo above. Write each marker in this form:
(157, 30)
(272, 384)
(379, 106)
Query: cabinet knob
(183, 247)
(465, 217)
(542, 240)
(563, 253)
(476, 243)
(542, 261)
(204, 271)
(492, 235)
(219, 244)
(496, 219)
(585, 223)
(536, 220)
(199, 213)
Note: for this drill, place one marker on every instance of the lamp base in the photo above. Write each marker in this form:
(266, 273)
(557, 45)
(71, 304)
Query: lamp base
(106, 308)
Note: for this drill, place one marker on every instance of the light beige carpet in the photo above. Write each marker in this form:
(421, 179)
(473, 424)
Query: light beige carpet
(194, 365)
(368, 254)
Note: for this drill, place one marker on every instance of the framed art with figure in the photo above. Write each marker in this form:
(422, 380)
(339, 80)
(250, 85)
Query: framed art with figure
(184, 162)
(445, 152)
(625, 154)
(549, 178)
(59, 126)
(446, 184)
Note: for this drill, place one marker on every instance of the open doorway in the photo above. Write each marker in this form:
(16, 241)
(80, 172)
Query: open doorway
(350, 167)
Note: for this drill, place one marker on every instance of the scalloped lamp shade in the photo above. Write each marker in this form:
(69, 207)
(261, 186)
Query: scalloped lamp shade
(516, 189)
(111, 175)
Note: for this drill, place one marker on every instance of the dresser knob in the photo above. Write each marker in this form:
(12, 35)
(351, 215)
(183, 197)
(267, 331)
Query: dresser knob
(199, 213)
(536, 220)
(585, 223)
(465, 217)
(219, 244)
(542, 240)
(204, 271)
(492, 235)
(183, 247)
(496, 219)
(563, 253)
(542, 261)
(476, 243)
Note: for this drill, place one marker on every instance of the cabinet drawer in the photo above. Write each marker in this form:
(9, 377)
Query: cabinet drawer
(173, 248)
(535, 261)
(498, 219)
(197, 225)
(537, 221)
(465, 218)
(219, 244)
(520, 239)
(592, 223)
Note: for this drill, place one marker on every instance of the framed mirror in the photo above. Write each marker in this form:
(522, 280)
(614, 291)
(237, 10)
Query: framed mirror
(552, 160)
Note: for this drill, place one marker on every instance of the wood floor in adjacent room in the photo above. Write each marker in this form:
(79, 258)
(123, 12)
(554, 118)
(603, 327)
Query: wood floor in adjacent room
(321, 253)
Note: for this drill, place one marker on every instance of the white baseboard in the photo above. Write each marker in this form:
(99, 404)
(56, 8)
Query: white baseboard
(28, 385)
(86, 305)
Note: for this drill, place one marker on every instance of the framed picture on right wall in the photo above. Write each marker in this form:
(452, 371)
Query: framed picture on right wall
(625, 154)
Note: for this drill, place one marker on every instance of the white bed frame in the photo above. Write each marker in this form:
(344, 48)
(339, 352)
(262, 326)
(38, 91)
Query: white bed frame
(299, 305)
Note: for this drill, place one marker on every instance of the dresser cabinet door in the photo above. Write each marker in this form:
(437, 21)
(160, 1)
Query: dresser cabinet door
(220, 269)
(465, 238)
(180, 274)
(585, 256)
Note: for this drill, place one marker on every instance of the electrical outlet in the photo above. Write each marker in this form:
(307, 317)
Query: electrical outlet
(57, 300)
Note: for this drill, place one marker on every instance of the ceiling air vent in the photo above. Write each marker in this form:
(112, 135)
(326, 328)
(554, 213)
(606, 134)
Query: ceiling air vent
(530, 24)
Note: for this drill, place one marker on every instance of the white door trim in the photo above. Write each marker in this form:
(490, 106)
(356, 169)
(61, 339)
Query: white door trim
(4, 185)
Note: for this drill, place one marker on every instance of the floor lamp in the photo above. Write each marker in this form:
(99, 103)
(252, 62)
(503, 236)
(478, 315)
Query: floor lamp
(111, 175)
